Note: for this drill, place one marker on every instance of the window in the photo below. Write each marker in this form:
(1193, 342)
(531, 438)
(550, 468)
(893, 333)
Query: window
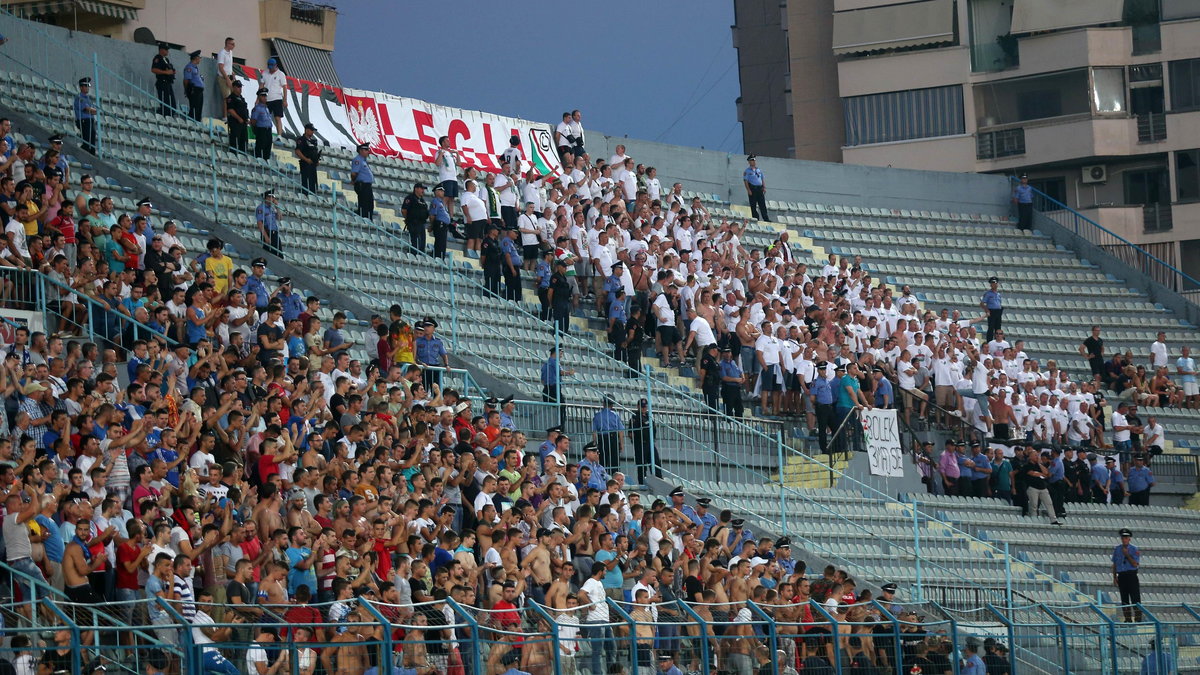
(904, 115)
(1108, 90)
(1033, 98)
(1185, 84)
(1179, 9)
(1054, 188)
(1147, 187)
(1187, 174)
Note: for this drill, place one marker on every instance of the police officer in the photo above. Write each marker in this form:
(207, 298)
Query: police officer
(415, 211)
(993, 304)
(85, 115)
(363, 179)
(560, 297)
(439, 218)
(707, 520)
(731, 383)
(688, 512)
(64, 168)
(267, 217)
(491, 258)
(756, 188)
(710, 376)
(821, 392)
(512, 265)
(308, 151)
(164, 80)
(617, 321)
(1023, 197)
(543, 273)
(193, 85)
(641, 430)
(608, 433)
(507, 408)
(260, 118)
(237, 116)
(1127, 559)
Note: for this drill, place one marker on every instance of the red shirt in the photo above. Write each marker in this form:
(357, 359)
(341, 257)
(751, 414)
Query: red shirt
(66, 226)
(384, 555)
(303, 615)
(266, 467)
(127, 552)
(384, 346)
(252, 549)
(849, 598)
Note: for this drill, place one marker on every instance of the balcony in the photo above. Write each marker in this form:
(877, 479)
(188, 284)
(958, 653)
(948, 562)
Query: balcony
(305, 23)
(1002, 143)
(1132, 222)
(1152, 127)
(1157, 218)
(1058, 139)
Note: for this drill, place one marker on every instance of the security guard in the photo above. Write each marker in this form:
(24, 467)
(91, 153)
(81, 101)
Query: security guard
(613, 282)
(560, 297)
(491, 258)
(1023, 197)
(617, 320)
(542, 273)
(783, 557)
(687, 511)
(993, 304)
(609, 434)
(756, 188)
(507, 408)
(237, 117)
(85, 115)
(308, 151)
(64, 168)
(641, 430)
(164, 80)
(360, 174)
(512, 265)
(415, 212)
(267, 217)
(440, 219)
(731, 383)
(261, 118)
(193, 85)
(707, 520)
(1127, 559)
(293, 304)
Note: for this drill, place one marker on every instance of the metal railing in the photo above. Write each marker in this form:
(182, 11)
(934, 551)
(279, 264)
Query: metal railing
(1157, 218)
(1115, 245)
(1002, 143)
(1152, 127)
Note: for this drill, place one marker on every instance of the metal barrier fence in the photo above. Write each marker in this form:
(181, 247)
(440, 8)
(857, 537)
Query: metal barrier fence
(631, 630)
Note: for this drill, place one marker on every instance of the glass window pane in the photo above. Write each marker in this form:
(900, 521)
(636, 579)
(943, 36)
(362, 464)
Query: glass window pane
(1187, 174)
(1108, 90)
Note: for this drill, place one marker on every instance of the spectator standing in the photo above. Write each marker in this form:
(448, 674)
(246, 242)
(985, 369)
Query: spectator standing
(260, 117)
(308, 151)
(1157, 661)
(1093, 349)
(993, 304)
(756, 188)
(237, 116)
(1159, 353)
(225, 78)
(1022, 196)
(164, 80)
(563, 137)
(1127, 561)
(415, 212)
(1036, 473)
(608, 433)
(577, 130)
(193, 85)
(1185, 366)
(475, 218)
(447, 164)
(364, 181)
(267, 217)
(85, 115)
(275, 83)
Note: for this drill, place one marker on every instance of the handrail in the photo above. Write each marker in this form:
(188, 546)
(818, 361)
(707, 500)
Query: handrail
(1182, 277)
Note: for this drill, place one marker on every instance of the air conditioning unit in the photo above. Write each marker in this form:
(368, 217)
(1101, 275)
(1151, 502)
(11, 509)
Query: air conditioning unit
(1097, 173)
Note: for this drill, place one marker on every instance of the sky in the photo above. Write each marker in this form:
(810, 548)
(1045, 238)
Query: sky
(660, 71)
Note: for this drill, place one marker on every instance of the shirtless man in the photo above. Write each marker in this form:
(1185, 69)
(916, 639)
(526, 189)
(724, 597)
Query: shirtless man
(298, 516)
(465, 554)
(538, 565)
(266, 514)
(352, 659)
(78, 563)
(560, 588)
(274, 584)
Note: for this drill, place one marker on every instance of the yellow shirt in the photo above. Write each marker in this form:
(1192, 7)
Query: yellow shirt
(31, 226)
(221, 270)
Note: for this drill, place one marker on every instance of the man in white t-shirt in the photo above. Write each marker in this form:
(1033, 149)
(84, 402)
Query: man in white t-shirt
(225, 68)
(475, 215)
(596, 617)
(767, 350)
(276, 83)
(618, 158)
(1158, 351)
(667, 337)
(563, 136)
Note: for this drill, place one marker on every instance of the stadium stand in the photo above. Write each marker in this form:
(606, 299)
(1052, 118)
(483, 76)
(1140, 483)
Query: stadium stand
(967, 568)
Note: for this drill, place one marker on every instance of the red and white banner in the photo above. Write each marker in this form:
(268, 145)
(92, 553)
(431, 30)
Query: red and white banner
(404, 127)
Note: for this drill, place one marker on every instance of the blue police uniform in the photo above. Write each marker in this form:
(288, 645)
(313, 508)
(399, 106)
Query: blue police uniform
(263, 123)
(550, 380)
(688, 511)
(364, 187)
(512, 272)
(731, 392)
(1140, 480)
(193, 85)
(261, 296)
(599, 478)
(429, 351)
(981, 479)
(612, 284)
(607, 425)
(268, 215)
(1023, 196)
(707, 522)
(293, 305)
(441, 223)
(757, 193)
(1100, 477)
(85, 119)
(542, 273)
(1125, 568)
(995, 311)
(507, 422)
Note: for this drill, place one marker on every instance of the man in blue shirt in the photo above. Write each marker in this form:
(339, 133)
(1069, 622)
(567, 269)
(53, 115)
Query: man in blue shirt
(1140, 480)
(849, 396)
(981, 470)
(542, 273)
(364, 187)
(512, 265)
(1023, 197)
(608, 432)
(254, 284)
(430, 351)
(731, 383)
(1056, 481)
(293, 304)
(440, 219)
(1126, 560)
(1157, 662)
(666, 664)
(263, 123)
(972, 664)
(591, 459)
(707, 520)
(507, 408)
(1100, 480)
(552, 376)
(884, 398)
(193, 85)
(85, 115)
(821, 393)
(756, 188)
(992, 304)
(267, 217)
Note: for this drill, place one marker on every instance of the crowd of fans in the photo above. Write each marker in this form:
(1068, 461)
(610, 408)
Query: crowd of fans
(220, 441)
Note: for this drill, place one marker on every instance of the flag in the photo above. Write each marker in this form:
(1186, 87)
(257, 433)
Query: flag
(542, 153)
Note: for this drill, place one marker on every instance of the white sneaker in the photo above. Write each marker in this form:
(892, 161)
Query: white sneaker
(956, 413)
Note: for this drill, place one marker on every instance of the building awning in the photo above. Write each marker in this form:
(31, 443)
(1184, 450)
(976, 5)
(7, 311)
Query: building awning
(911, 24)
(1037, 15)
(306, 63)
(97, 7)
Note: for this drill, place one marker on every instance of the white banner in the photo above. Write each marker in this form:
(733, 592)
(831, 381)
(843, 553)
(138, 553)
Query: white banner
(883, 442)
